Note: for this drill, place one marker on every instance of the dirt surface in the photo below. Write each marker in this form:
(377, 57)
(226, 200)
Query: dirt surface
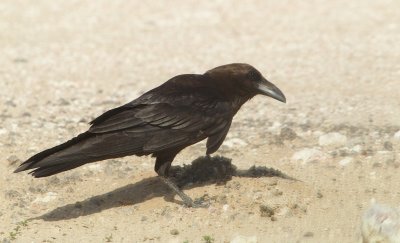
(304, 171)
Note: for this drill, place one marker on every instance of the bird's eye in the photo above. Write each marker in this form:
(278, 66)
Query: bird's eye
(254, 76)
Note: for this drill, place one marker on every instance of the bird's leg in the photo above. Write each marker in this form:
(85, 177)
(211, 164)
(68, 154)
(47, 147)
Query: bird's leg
(162, 171)
(185, 198)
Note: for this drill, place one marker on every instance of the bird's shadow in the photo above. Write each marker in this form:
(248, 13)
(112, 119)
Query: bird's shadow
(203, 171)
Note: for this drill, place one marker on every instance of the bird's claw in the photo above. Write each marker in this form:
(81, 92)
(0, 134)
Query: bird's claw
(197, 203)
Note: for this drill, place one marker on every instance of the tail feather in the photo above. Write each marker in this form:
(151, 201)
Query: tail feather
(30, 163)
(51, 170)
(85, 148)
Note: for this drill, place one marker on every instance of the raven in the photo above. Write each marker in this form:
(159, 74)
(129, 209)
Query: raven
(183, 111)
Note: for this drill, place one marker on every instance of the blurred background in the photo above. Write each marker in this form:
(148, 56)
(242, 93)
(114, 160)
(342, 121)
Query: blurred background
(313, 50)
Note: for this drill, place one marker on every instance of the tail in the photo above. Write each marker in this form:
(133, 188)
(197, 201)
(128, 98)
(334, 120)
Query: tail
(85, 148)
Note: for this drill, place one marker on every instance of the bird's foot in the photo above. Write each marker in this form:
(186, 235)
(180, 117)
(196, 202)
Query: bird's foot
(197, 203)
(200, 203)
(187, 201)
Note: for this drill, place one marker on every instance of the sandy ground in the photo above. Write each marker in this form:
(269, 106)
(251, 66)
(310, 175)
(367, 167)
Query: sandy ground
(338, 63)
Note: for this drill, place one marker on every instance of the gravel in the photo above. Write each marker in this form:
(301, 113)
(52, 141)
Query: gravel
(332, 139)
(308, 155)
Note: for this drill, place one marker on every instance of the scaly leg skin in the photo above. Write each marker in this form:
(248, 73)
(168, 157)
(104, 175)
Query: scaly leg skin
(162, 166)
(187, 201)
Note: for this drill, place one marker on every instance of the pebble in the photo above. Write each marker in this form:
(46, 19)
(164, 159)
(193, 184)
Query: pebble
(357, 149)
(26, 114)
(332, 139)
(388, 146)
(285, 211)
(397, 135)
(63, 102)
(308, 155)
(381, 223)
(244, 239)
(50, 196)
(95, 167)
(308, 234)
(3, 131)
(225, 207)
(346, 161)
(235, 142)
(266, 211)
(276, 126)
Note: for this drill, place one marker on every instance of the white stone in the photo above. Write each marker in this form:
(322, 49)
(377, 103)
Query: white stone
(50, 196)
(308, 155)
(235, 142)
(397, 135)
(381, 223)
(146, 164)
(275, 128)
(225, 207)
(49, 125)
(95, 167)
(332, 139)
(346, 161)
(3, 131)
(244, 239)
(357, 149)
(285, 211)
(372, 175)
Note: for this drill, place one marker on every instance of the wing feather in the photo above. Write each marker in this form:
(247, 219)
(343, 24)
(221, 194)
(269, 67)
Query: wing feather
(167, 122)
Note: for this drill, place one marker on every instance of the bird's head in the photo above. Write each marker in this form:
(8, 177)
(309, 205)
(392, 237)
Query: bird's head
(245, 80)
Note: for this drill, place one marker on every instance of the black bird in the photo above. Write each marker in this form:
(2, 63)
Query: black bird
(183, 111)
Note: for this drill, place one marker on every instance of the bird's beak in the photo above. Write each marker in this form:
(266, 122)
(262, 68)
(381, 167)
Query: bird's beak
(269, 89)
